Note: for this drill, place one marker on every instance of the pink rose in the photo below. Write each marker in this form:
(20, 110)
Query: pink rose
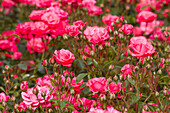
(51, 18)
(80, 24)
(109, 19)
(88, 49)
(44, 95)
(39, 28)
(22, 106)
(110, 109)
(115, 87)
(127, 29)
(24, 85)
(139, 47)
(15, 76)
(96, 34)
(128, 69)
(64, 57)
(36, 14)
(72, 30)
(96, 110)
(3, 97)
(43, 3)
(17, 55)
(88, 3)
(146, 16)
(30, 99)
(97, 84)
(95, 10)
(138, 31)
(76, 86)
(36, 45)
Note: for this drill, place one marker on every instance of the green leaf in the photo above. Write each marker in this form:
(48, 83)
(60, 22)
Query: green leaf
(135, 99)
(25, 76)
(152, 108)
(70, 107)
(15, 35)
(62, 104)
(95, 63)
(16, 94)
(83, 85)
(2, 89)
(131, 81)
(22, 66)
(53, 100)
(80, 77)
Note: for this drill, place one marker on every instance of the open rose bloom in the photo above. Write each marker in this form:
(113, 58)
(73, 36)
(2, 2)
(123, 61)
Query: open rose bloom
(85, 56)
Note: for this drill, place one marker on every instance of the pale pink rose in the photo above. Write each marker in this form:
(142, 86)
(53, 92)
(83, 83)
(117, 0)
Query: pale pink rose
(97, 84)
(64, 57)
(3, 97)
(22, 106)
(51, 18)
(17, 55)
(115, 87)
(96, 35)
(24, 85)
(128, 69)
(72, 30)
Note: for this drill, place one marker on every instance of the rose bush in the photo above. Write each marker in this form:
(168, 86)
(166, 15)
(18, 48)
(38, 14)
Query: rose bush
(84, 56)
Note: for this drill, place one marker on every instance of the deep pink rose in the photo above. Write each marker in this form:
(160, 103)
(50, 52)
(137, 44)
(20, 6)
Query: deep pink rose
(8, 35)
(22, 106)
(115, 87)
(128, 69)
(64, 57)
(8, 3)
(139, 47)
(51, 18)
(97, 84)
(146, 16)
(72, 30)
(96, 34)
(24, 85)
(127, 29)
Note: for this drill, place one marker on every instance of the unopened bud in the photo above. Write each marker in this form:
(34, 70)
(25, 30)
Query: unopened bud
(112, 96)
(51, 60)
(128, 76)
(6, 67)
(115, 78)
(13, 98)
(7, 81)
(159, 72)
(100, 47)
(3, 71)
(111, 67)
(117, 21)
(44, 63)
(136, 68)
(92, 53)
(115, 33)
(156, 94)
(65, 37)
(50, 110)
(148, 58)
(84, 57)
(109, 79)
(148, 66)
(103, 98)
(15, 87)
(113, 24)
(72, 92)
